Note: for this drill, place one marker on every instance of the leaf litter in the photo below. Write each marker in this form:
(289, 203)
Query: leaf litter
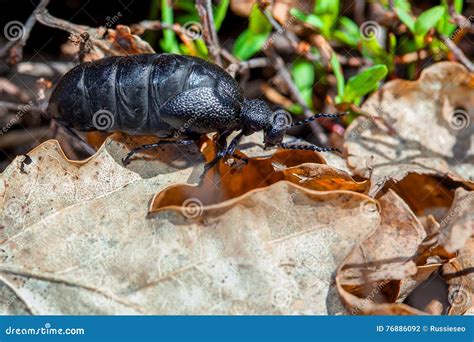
(290, 233)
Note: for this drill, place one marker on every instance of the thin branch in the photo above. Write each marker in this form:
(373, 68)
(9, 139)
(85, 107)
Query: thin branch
(21, 107)
(294, 41)
(234, 68)
(285, 75)
(458, 18)
(457, 52)
(204, 8)
(154, 25)
(18, 45)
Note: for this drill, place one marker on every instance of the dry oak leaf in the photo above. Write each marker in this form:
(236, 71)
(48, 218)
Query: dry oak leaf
(369, 279)
(458, 225)
(459, 274)
(44, 182)
(433, 122)
(226, 181)
(273, 250)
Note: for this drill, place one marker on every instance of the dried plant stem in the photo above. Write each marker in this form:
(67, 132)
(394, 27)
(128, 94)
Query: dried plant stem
(285, 75)
(457, 52)
(18, 45)
(204, 8)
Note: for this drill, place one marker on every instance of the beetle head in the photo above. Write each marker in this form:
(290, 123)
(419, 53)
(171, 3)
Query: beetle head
(257, 116)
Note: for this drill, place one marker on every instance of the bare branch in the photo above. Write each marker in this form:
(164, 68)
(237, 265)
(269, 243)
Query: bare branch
(283, 72)
(204, 8)
(457, 52)
(18, 45)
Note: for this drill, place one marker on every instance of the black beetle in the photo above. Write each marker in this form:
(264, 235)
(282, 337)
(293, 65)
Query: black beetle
(169, 95)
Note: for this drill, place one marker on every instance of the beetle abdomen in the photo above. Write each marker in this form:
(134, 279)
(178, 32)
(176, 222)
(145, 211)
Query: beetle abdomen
(127, 93)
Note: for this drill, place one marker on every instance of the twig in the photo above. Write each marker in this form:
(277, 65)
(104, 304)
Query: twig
(95, 35)
(18, 45)
(23, 107)
(15, 138)
(294, 41)
(245, 65)
(457, 52)
(204, 8)
(324, 49)
(230, 57)
(283, 72)
(458, 18)
(154, 25)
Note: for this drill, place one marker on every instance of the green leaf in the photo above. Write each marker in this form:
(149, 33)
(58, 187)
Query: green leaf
(363, 83)
(248, 44)
(444, 26)
(310, 19)
(428, 20)
(169, 43)
(326, 7)
(403, 5)
(406, 18)
(337, 70)
(258, 23)
(347, 25)
(295, 109)
(220, 12)
(185, 5)
(202, 48)
(348, 32)
(328, 11)
(303, 74)
(372, 49)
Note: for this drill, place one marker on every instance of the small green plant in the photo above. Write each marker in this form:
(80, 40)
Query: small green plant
(325, 19)
(253, 39)
(358, 85)
(195, 45)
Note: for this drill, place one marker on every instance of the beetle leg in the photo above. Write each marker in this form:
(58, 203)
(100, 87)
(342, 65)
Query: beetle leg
(233, 144)
(230, 151)
(126, 159)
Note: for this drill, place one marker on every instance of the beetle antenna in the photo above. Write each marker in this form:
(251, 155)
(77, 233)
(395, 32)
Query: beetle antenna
(314, 117)
(309, 148)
